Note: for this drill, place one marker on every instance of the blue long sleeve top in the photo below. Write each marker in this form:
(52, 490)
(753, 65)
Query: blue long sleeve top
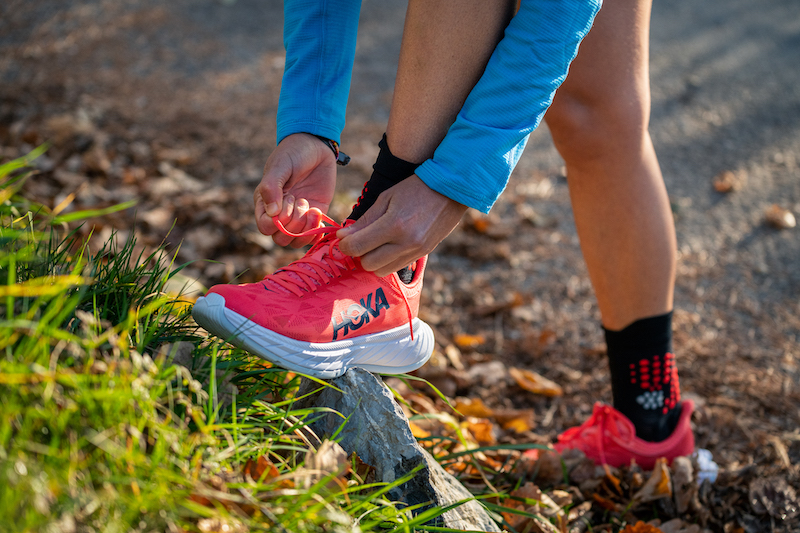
(474, 161)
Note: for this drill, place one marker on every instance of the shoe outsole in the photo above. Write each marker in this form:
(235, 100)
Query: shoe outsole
(389, 352)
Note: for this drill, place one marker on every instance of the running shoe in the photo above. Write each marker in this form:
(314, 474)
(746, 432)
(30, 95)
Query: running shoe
(608, 437)
(323, 314)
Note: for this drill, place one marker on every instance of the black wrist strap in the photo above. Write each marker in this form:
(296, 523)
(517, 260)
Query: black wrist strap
(342, 158)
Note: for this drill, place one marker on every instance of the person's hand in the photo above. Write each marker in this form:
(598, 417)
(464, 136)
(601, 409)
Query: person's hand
(298, 185)
(406, 222)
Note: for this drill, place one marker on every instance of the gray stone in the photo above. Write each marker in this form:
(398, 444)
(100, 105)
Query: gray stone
(378, 432)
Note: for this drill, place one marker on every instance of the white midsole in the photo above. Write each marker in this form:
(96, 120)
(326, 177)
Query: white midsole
(390, 352)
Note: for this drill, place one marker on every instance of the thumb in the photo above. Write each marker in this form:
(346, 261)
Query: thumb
(356, 239)
(271, 186)
(368, 218)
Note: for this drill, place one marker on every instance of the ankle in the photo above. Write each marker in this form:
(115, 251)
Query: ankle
(388, 171)
(644, 378)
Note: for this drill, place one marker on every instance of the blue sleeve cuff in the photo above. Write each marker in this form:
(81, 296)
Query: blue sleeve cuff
(474, 161)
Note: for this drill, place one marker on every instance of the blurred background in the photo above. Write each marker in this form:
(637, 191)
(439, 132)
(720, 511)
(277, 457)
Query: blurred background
(173, 104)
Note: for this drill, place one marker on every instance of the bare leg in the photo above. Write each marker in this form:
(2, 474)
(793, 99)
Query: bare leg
(446, 46)
(599, 122)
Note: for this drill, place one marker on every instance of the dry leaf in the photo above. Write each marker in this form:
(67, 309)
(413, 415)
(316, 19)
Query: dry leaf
(261, 470)
(528, 491)
(606, 503)
(613, 481)
(518, 425)
(328, 459)
(464, 340)
(511, 301)
(365, 472)
(640, 527)
(780, 218)
(658, 486)
(535, 383)
(482, 429)
(726, 181)
(453, 355)
(418, 432)
(480, 225)
(473, 407)
(676, 525)
(775, 497)
(547, 337)
(506, 416)
(683, 484)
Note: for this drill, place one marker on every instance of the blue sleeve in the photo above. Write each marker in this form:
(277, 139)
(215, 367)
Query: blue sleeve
(474, 161)
(320, 41)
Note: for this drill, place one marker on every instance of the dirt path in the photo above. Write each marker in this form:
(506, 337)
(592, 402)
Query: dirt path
(173, 103)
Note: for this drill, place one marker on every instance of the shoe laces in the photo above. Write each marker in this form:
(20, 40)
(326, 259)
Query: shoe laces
(604, 418)
(323, 263)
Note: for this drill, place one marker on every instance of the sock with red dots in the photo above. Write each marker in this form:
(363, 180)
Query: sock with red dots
(644, 378)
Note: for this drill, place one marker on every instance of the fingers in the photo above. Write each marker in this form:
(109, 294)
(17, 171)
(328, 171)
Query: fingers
(383, 243)
(297, 187)
(268, 196)
(276, 174)
(367, 233)
(407, 221)
(389, 258)
(297, 217)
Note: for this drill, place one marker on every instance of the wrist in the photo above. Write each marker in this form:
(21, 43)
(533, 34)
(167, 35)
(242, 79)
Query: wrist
(342, 158)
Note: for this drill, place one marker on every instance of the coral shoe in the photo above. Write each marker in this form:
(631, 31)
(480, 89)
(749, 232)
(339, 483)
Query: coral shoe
(324, 314)
(608, 437)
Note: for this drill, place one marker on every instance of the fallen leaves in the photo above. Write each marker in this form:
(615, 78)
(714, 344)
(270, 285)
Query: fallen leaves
(780, 218)
(329, 460)
(640, 527)
(262, 470)
(535, 383)
(473, 407)
(727, 181)
(530, 509)
(658, 486)
(774, 497)
(464, 340)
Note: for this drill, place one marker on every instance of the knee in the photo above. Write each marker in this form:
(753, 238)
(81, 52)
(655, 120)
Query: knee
(586, 127)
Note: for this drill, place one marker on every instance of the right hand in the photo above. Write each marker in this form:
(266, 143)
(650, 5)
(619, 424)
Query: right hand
(298, 185)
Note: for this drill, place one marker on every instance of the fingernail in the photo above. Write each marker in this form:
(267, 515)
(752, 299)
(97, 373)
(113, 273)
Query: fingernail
(272, 209)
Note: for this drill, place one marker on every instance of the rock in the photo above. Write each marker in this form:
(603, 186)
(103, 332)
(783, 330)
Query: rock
(379, 433)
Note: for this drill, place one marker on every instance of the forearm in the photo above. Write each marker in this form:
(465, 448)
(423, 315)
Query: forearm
(474, 161)
(320, 41)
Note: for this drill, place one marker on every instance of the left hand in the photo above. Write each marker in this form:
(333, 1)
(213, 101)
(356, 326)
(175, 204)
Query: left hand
(406, 222)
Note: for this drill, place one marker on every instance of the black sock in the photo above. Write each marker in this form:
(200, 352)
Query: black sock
(387, 172)
(644, 378)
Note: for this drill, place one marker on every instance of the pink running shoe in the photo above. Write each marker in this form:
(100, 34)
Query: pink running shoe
(323, 314)
(608, 437)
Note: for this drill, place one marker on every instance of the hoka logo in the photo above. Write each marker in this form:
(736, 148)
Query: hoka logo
(357, 315)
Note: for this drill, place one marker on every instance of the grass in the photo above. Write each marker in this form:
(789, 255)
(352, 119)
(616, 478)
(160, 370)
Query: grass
(120, 415)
